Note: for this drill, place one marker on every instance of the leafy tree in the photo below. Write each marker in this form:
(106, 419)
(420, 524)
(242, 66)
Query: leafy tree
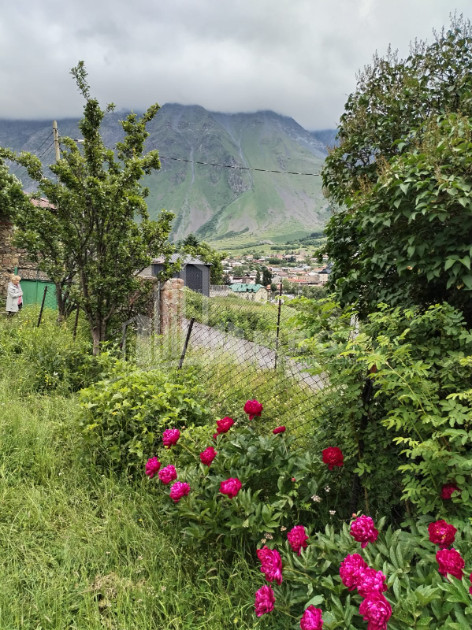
(11, 193)
(401, 174)
(266, 276)
(98, 229)
(191, 245)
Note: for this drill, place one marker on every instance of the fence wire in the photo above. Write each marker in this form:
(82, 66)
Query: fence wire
(244, 350)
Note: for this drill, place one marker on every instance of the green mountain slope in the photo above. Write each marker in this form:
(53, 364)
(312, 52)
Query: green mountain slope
(217, 200)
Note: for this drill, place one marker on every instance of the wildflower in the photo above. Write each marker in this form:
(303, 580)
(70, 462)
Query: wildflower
(376, 610)
(271, 564)
(278, 430)
(327, 489)
(450, 561)
(170, 437)
(333, 456)
(448, 490)
(253, 408)
(167, 474)
(179, 489)
(311, 619)
(332, 512)
(351, 570)
(441, 533)
(230, 487)
(152, 466)
(265, 600)
(208, 455)
(283, 529)
(363, 530)
(470, 579)
(293, 479)
(316, 498)
(297, 538)
(224, 425)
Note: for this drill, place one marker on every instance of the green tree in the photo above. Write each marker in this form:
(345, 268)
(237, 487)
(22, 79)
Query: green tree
(266, 276)
(12, 196)
(401, 176)
(98, 230)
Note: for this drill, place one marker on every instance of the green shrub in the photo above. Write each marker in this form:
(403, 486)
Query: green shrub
(124, 415)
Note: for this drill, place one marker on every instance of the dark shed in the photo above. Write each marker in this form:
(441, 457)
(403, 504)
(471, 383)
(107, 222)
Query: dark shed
(194, 272)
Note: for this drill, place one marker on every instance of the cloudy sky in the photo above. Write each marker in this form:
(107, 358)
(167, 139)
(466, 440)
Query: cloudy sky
(296, 57)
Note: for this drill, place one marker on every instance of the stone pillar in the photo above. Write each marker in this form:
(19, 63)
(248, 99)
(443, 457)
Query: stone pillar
(171, 302)
(8, 256)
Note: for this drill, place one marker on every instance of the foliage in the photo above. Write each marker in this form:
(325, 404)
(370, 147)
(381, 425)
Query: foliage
(48, 358)
(12, 197)
(124, 415)
(398, 401)
(402, 173)
(96, 235)
(420, 597)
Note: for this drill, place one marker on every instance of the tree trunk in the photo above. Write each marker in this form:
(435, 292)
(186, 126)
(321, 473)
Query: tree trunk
(96, 337)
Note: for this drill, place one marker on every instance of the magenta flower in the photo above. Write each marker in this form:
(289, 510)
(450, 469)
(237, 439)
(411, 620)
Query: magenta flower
(265, 600)
(208, 455)
(179, 489)
(363, 530)
(297, 538)
(442, 534)
(278, 430)
(333, 456)
(470, 587)
(167, 474)
(450, 561)
(376, 610)
(152, 466)
(230, 487)
(371, 581)
(271, 564)
(351, 570)
(448, 490)
(170, 437)
(253, 408)
(311, 619)
(224, 425)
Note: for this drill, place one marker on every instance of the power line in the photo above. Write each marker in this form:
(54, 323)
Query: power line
(241, 168)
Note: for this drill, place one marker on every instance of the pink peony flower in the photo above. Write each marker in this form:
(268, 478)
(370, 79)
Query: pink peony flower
(297, 538)
(230, 487)
(167, 474)
(363, 530)
(208, 455)
(371, 581)
(448, 490)
(333, 456)
(311, 619)
(450, 561)
(224, 425)
(441, 533)
(376, 610)
(351, 570)
(278, 430)
(265, 600)
(170, 437)
(179, 489)
(470, 579)
(253, 408)
(152, 466)
(271, 564)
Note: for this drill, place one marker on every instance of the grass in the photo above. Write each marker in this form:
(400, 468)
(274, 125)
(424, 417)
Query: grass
(83, 550)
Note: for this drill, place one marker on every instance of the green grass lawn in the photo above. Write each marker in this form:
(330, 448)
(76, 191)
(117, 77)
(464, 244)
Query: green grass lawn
(80, 549)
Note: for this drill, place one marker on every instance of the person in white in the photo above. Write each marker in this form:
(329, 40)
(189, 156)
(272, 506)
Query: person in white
(14, 292)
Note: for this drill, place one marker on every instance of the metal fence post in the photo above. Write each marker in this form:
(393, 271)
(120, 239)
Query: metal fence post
(187, 339)
(42, 306)
(278, 327)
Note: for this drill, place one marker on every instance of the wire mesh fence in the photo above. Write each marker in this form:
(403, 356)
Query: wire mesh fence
(242, 350)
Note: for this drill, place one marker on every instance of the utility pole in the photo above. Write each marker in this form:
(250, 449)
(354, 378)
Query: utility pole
(56, 140)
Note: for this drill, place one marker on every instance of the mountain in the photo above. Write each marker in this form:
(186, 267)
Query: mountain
(227, 177)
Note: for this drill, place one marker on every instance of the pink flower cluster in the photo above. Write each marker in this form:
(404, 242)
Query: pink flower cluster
(363, 530)
(179, 489)
(265, 600)
(278, 430)
(370, 584)
(167, 474)
(223, 426)
(297, 538)
(170, 437)
(271, 564)
(311, 619)
(442, 533)
(152, 466)
(448, 490)
(230, 487)
(333, 456)
(208, 455)
(253, 408)
(450, 561)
